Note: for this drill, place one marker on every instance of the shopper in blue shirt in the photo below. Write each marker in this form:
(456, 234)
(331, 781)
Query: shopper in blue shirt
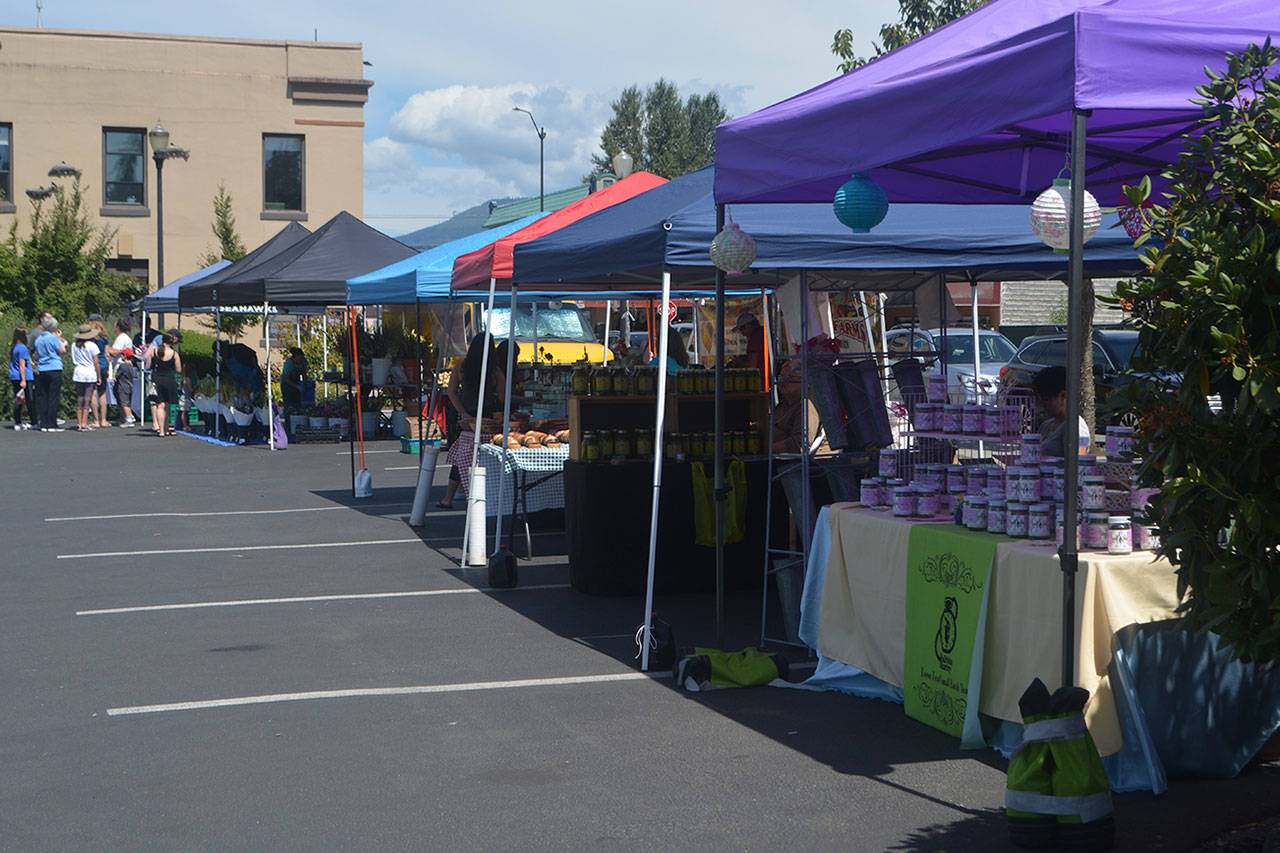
(49, 349)
(22, 377)
(99, 410)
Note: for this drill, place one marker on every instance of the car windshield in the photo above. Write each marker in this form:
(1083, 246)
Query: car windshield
(1122, 349)
(992, 349)
(554, 324)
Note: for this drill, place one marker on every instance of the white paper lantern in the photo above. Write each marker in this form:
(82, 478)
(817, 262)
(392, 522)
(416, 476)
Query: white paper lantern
(1051, 216)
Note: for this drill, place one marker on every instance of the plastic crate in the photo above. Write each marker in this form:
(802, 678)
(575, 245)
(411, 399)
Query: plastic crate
(410, 445)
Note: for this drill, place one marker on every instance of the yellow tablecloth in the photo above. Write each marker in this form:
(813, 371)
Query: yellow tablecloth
(863, 612)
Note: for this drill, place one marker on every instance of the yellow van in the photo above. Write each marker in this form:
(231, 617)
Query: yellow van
(553, 332)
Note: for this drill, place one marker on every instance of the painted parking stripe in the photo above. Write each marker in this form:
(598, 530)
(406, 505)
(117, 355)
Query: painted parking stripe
(303, 599)
(238, 549)
(403, 468)
(220, 512)
(421, 689)
(367, 452)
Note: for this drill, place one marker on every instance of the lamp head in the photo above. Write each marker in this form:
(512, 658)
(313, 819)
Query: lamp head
(623, 164)
(62, 170)
(159, 138)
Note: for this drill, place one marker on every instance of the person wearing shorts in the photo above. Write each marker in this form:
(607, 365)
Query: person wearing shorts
(99, 411)
(86, 374)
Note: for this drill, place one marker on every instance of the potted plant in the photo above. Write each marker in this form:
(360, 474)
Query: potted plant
(316, 418)
(338, 415)
(380, 360)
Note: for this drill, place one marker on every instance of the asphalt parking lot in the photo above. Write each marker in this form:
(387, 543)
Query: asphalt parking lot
(216, 648)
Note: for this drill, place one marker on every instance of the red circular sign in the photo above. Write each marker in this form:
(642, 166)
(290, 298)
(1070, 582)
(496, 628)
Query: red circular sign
(671, 312)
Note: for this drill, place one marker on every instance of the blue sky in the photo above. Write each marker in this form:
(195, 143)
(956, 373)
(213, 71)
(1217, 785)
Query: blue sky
(440, 135)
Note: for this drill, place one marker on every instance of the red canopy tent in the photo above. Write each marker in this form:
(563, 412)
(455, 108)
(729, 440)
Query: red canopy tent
(494, 261)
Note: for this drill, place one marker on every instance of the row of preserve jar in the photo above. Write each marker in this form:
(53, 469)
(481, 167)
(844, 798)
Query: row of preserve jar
(643, 381)
(1116, 534)
(604, 444)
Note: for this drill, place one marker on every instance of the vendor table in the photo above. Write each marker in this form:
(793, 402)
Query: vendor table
(530, 476)
(863, 612)
(607, 512)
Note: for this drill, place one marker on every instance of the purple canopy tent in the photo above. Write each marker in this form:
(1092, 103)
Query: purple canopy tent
(990, 108)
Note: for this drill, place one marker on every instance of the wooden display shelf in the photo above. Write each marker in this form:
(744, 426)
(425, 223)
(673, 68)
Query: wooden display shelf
(685, 412)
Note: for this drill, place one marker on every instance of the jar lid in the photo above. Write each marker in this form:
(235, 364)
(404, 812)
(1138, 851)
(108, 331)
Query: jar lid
(976, 500)
(1017, 506)
(994, 502)
(1118, 520)
(870, 481)
(1093, 478)
(955, 469)
(895, 483)
(1038, 508)
(904, 490)
(1096, 516)
(1032, 436)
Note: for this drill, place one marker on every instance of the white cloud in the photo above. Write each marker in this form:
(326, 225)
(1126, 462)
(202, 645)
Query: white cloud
(477, 126)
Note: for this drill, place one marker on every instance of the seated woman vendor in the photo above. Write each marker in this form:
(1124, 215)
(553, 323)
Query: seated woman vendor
(1050, 386)
(677, 357)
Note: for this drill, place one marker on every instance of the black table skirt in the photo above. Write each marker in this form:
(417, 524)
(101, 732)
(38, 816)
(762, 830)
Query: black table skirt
(607, 512)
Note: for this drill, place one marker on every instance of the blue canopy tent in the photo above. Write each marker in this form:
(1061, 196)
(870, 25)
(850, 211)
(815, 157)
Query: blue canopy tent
(664, 236)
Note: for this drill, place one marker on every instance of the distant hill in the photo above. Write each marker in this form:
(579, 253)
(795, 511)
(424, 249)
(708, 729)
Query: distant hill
(467, 222)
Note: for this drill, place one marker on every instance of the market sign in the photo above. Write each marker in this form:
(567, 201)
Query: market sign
(947, 573)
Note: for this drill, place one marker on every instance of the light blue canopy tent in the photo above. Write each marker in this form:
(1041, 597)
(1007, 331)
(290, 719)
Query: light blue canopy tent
(425, 276)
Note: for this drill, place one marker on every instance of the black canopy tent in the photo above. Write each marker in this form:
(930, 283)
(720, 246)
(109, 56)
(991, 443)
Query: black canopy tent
(310, 271)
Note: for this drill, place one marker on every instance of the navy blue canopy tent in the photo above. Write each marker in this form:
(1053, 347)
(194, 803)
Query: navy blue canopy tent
(626, 246)
(664, 236)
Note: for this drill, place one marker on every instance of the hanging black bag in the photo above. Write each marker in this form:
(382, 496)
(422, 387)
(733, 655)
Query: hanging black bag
(662, 645)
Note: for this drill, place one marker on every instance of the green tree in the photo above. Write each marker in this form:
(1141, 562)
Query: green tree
(61, 265)
(1209, 312)
(230, 247)
(915, 18)
(662, 134)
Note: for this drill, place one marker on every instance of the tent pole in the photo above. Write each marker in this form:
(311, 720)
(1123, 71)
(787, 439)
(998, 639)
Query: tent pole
(697, 344)
(142, 372)
(475, 439)
(352, 400)
(806, 448)
(659, 426)
(977, 357)
(417, 308)
(217, 381)
(506, 419)
(604, 359)
(884, 334)
(266, 336)
(1067, 554)
(720, 492)
(324, 347)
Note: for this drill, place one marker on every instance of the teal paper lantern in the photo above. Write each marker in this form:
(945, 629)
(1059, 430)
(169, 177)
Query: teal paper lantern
(733, 250)
(860, 203)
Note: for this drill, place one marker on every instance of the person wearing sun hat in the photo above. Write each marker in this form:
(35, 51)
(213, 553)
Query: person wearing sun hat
(86, 374)
(750, 327)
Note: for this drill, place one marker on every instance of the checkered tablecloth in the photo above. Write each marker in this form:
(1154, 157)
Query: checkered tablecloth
(535, 463)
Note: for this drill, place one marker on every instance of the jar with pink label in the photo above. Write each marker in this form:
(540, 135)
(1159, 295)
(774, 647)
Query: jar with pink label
(991, 421)
(1030, 448)
(1015, 520)
(936, 392)
(928, 417)
(1093, 534)
(975, 479)
(1144, 535)
(953, 418)
(927, 502)
(1039, 521)
(904, 501)
(1093, 492)
(869, 494)
(888, 462)
(975, 512)
(996, 478)
(996, 509)
(1119, 535)
(1010, 419)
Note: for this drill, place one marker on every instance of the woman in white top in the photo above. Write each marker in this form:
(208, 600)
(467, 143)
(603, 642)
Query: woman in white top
(87, 374)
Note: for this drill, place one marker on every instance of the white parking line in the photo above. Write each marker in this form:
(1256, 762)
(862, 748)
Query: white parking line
(466, 687)
(238, 548)
(404, 467)
(367, 452)
(300, 599)
(221, 512)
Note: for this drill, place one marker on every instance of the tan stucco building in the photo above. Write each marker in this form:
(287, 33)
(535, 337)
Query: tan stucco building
(279, 123)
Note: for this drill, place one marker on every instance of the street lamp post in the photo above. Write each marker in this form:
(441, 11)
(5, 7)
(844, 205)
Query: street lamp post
(542, 135)
(159, 150)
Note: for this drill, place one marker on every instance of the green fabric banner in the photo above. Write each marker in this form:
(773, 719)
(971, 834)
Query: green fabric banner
(947, 571)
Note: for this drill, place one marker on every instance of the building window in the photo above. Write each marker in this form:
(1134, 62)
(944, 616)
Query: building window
(124, 165)
(6, 166)
(283, 173)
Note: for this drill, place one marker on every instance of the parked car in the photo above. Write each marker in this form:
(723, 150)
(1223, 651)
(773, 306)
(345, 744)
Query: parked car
(994, 351)
(1113, 351)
